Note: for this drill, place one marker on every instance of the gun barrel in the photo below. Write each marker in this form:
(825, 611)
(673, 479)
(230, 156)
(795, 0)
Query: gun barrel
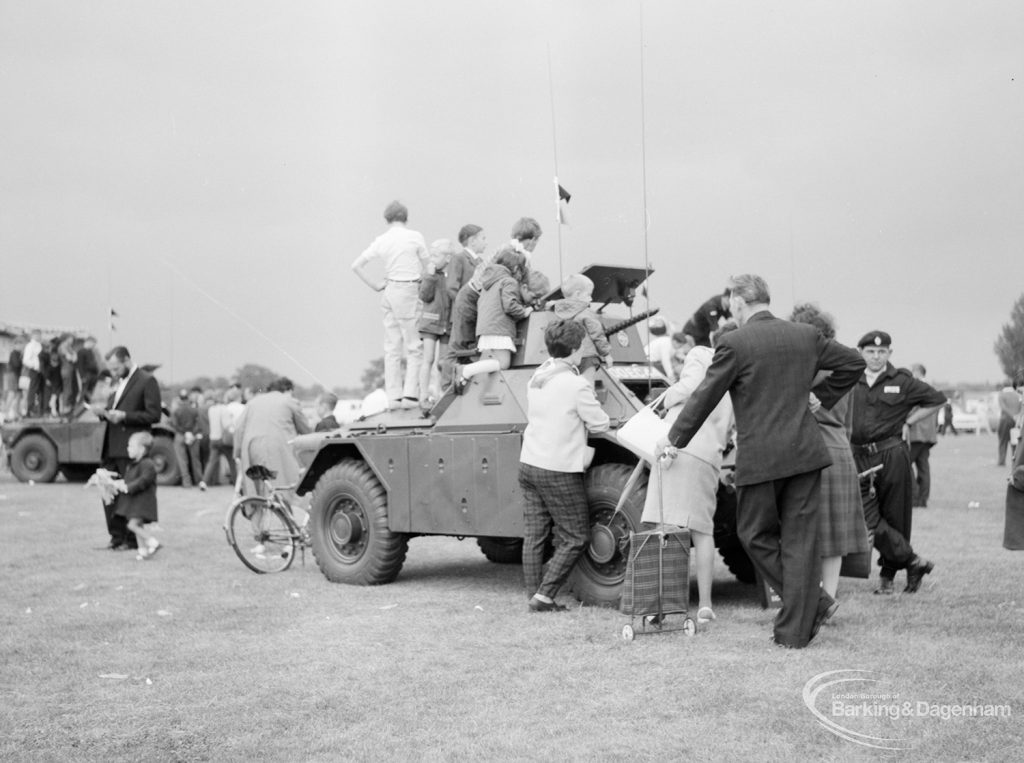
(617, 327)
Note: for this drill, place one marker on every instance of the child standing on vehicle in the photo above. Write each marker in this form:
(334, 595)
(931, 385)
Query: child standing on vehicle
(578, 292)
(435, 321)
(501, 306)
(138, 504)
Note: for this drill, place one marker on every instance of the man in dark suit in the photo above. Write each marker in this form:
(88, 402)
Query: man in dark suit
(767, 367)
(134, 407)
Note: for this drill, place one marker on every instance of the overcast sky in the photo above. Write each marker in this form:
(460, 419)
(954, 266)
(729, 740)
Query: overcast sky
(211, 169)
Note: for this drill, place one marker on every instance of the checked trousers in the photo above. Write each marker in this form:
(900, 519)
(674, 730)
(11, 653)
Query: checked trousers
(553, 503)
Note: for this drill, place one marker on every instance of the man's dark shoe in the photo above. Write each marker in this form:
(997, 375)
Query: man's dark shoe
(916, 573)
(825, 612)
(885, 587)
(536, 605)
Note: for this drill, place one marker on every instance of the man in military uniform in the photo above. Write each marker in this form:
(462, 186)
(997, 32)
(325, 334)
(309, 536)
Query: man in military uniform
(886, 402)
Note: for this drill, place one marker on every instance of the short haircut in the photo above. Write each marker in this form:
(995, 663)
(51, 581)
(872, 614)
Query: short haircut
(575, 283)
(812, 315)
(396, 212)
(443, 246)
(537, 283)
(120, 352)
(750, 288)
(143, 437)
(525, 229)
(725, 328)
(563, 337)
(466, 232)
(329, 399)
(919, 367)
(514, 261)
(281, 384)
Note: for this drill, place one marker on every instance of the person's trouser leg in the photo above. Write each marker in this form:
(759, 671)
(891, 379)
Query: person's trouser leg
(117, 526)
(887, 512)
(536, 529)
(35, 394)
(566, 501)
(195, 461)
(778, 525)
(405, 303)
(182, 454)
(392, 351)
(211, 474)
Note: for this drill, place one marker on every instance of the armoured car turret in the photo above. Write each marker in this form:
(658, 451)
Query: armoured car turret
(453, 470)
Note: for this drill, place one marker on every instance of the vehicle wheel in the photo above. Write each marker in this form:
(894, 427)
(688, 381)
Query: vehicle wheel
(348, 524)
(77, 472)
(261, 535)
(162, 455)
(34, 457)
(627, 633)
(727, 539)
(502, 550)
(597, 577)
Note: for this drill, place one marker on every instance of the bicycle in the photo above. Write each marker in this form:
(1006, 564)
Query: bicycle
(262, 528)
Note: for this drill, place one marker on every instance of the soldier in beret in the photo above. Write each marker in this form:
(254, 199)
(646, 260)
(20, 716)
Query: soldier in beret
(886, 402)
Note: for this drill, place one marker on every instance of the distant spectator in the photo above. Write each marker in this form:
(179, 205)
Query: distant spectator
(52, 373)
(87, 366)
(1009, 414)
(218, 448)
(31, 366)
(659, 349)
(947, 418)
(68, 377)
(12, 381)
(923, 436)
(325, 405)
(707, 318)
(185, 423)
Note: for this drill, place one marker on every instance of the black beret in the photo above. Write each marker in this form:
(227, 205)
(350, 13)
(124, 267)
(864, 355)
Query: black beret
(875, 339)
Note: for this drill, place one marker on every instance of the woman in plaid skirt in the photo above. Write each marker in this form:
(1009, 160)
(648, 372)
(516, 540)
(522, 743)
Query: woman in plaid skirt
(841, 528)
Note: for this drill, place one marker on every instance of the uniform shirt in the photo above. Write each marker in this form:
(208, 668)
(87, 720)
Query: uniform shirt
(401, 250)
(880, 411)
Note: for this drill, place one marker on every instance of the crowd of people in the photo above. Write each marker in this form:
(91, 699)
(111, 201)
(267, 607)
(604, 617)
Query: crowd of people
(49, 377)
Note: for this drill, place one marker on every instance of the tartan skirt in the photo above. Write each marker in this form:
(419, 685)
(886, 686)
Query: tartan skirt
(841, 528)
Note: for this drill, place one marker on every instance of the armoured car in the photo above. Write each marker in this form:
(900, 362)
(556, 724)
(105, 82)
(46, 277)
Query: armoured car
(387, 477)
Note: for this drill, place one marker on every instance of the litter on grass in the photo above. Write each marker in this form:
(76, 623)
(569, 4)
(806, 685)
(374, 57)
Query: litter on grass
(115, 676)
(389, 606)
(163, 613)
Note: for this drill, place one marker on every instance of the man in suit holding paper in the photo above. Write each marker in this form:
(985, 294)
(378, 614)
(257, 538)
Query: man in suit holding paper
(134, 407)
(767, 367)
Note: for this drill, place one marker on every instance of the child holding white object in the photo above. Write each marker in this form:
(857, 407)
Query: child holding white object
(138, 504)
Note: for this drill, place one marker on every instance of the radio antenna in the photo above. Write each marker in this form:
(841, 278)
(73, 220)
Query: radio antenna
(554, 151)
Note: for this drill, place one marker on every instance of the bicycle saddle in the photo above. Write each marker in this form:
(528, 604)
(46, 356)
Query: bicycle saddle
(259, 472)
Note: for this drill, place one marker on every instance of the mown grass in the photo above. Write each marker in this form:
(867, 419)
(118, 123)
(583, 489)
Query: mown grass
(447, 664)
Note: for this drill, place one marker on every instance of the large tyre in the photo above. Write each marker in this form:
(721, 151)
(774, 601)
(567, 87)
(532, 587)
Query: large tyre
(162, 454)
(348, 525)
(598, 577)
(502, 550)
(34, 457)
(727, 539)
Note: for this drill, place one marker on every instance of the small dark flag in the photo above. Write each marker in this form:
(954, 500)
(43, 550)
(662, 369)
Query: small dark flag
(563, 201)
(113, 313)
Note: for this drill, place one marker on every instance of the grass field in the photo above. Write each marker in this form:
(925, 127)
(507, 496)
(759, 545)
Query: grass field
(192, 657)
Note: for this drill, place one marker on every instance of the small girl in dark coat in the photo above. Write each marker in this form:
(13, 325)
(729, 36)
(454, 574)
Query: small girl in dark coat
(138, 505)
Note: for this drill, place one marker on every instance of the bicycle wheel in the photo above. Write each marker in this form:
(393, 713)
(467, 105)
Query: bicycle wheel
(262, 536)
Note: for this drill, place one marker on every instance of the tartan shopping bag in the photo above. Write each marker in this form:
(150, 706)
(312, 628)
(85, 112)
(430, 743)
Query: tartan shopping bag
(657, 573)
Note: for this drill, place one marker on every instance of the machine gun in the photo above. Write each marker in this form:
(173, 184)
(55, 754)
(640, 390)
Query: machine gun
(622, 325)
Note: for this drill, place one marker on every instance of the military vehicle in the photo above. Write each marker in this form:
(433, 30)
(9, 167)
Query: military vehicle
(385, 478)
(38, 448)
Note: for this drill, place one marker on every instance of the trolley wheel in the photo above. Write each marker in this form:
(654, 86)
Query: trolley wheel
(689, 627)
(627, 632)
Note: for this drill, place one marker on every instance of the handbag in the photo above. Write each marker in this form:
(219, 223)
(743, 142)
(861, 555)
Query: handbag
(641, 433)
